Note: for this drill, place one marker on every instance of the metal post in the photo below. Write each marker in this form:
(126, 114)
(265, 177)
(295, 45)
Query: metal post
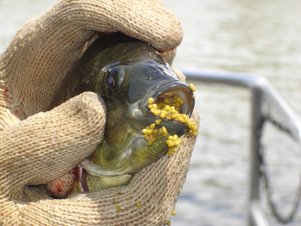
(254, 218)
(262, 93)
(254, 194)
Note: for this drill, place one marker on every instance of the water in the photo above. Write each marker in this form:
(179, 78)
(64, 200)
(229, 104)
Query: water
(253, 37)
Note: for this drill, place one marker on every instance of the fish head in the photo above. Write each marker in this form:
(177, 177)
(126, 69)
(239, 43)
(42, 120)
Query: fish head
(127, 90)
(128, 87)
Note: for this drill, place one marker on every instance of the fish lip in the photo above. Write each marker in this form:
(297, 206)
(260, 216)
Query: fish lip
(140, 112)
(172, 87)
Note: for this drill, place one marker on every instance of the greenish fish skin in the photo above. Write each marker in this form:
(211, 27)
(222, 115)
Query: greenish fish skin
(125, 72)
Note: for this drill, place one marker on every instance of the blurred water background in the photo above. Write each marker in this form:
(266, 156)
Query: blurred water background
(252, 37)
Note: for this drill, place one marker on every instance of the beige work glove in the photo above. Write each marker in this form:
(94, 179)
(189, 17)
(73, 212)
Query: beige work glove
(37, 145)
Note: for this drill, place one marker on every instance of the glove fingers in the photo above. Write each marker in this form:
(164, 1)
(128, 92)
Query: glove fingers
(146, 20)
(168, 56)
(52, 43)
(179, 74)
(152, 23)
(149, 198)
(47, 145)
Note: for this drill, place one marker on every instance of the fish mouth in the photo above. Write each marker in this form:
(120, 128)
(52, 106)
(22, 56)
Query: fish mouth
(167, 90)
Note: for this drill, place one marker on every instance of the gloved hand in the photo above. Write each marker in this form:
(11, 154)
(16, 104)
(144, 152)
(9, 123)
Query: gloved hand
(36, 148)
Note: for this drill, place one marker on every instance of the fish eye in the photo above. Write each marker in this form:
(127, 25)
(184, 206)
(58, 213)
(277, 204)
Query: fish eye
(113, 80)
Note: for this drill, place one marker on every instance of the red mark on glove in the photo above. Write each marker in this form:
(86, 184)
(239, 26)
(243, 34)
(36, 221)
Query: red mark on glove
(62, 186)
(5, 92)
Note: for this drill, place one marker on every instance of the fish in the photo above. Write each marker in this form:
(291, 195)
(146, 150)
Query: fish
(131, 77)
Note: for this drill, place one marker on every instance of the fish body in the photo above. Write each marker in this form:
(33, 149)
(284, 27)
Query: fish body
(126, 73)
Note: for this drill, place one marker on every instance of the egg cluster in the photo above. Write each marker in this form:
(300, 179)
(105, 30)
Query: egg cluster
(167, 108)
(192, 87)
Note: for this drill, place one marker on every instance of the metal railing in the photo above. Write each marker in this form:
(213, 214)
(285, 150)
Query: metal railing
(264, 100)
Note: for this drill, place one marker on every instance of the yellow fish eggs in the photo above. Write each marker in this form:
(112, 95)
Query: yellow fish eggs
(168, 108)
(192, 87)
